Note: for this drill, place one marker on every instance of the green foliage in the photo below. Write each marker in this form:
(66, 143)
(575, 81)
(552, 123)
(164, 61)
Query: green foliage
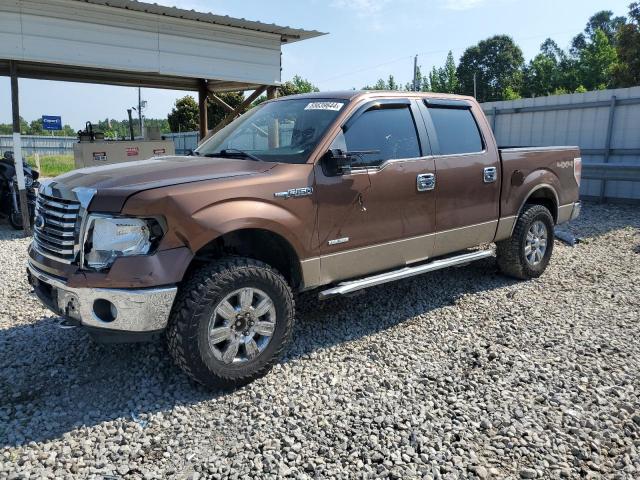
(35, 128)
(422, 82)
(550, 70)
(603, 21)
(605, 55)
(497, 63)
(445, 79)
(510, 94)
(296, 86)
(118, 129)
(215, 112)
(53, 165)
(597, 62)
(390, 84)
(626, 72)
(184, 116)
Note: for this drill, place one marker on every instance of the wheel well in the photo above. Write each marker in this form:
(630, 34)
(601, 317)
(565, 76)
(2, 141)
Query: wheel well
(263, 245)
(546, 198)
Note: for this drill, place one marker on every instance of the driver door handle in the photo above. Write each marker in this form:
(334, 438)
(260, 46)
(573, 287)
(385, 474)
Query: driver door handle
(426, 182)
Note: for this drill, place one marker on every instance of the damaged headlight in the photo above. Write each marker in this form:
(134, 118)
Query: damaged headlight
(108, 238)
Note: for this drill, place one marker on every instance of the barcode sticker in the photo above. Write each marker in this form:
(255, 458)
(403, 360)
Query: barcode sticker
(334, 106)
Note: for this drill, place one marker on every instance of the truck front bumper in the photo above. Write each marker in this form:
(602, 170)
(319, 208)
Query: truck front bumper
(109, 310)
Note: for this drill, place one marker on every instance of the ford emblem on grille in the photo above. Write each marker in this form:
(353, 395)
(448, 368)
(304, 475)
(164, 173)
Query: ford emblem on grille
(39, 222)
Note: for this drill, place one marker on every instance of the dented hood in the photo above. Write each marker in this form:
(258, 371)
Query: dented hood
(115, 183)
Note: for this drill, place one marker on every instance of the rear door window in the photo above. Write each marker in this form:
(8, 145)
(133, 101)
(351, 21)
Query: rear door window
(388, 133)
(457, 130)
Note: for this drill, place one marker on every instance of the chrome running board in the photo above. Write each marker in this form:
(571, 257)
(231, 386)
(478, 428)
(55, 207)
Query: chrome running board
(354, 285)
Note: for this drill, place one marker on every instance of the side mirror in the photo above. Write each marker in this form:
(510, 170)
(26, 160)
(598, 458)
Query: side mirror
(337, 162)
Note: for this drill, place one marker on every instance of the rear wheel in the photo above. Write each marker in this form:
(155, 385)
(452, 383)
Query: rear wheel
(526, 254)
(231, 322)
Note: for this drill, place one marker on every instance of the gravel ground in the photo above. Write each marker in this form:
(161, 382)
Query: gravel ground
(457, 374)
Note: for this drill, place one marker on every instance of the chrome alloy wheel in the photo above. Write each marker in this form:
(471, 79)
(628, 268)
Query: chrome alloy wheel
(536, 243)
(242, 325)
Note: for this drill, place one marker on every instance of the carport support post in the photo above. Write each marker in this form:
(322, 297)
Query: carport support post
(203, 93)
(17, 148)
(607, 144)
(274, 126)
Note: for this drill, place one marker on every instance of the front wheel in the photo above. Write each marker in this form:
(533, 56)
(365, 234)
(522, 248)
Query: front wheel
(231, 322)
(15, 219)
(527, 253)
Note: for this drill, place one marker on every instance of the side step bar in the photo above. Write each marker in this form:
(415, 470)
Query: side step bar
(352, 286)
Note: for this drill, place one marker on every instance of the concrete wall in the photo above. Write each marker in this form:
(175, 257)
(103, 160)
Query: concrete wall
(607, 130)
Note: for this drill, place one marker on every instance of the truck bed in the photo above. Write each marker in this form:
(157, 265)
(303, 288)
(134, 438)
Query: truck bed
(525, 168)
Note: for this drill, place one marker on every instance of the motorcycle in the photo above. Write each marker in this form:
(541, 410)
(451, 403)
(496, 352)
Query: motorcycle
(9, 193)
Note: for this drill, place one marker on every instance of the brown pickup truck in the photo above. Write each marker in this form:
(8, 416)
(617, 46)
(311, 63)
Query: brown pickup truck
(329, 191)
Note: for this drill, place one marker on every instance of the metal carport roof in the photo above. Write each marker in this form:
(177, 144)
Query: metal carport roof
(132, 43)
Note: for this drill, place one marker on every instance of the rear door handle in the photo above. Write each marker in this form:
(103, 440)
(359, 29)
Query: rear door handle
(426, 182)
(490, 174)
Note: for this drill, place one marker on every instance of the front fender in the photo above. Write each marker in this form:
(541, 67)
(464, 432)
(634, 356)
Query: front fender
(225, 217)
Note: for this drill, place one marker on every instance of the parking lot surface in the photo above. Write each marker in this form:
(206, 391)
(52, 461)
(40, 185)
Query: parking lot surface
(457, 374)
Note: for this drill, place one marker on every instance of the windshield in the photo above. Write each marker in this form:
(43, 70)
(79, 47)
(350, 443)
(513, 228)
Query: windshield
(282, 131)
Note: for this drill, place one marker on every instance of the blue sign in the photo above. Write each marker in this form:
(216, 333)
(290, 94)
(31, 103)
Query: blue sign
(50, 122)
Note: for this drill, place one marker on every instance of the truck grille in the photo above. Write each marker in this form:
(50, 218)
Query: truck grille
(55, 227)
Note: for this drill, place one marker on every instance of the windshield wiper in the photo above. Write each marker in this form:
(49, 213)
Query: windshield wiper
(233, 152)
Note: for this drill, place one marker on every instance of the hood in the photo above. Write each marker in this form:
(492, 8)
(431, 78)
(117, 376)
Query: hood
(115, 183)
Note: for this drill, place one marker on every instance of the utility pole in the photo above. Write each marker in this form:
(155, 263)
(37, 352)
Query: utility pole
(415, 73)
(475, 90)
(140, 123)
(17, 148)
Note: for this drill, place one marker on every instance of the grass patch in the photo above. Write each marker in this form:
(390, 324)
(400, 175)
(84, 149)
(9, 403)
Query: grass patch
(53, 165)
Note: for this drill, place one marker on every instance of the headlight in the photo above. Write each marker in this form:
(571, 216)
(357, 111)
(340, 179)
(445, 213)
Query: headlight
(111, 237)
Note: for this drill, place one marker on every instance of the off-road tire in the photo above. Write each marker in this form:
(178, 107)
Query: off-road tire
(197, 298)
(510, 252)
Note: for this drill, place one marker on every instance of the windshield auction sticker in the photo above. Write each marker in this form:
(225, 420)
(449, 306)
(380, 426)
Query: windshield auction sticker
(334, 106)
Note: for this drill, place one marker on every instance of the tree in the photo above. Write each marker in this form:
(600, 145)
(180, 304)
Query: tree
(606, 23)
(497, 63)
(626, 72)
(35, 127)
(184, 116)
(296, 86)
(445, 79)
(390, 84)
(215, 112)
(597, 62)
(552, 69)
(422, 82)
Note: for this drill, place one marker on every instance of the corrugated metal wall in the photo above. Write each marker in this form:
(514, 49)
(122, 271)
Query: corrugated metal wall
(41, 144)
(605, 125)
(183, 141)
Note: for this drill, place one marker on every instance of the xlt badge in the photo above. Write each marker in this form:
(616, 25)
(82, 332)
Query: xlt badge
(294, 192)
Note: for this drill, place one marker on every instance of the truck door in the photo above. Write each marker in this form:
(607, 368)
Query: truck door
(467, 175)
(382, 214)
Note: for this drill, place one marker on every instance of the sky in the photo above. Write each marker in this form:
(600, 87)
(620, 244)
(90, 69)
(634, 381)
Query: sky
(367, 40)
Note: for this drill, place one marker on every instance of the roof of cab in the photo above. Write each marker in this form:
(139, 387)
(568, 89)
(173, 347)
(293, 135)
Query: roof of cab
(352, 94)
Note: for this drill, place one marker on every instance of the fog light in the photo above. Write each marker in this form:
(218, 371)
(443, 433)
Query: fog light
(104, 310)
